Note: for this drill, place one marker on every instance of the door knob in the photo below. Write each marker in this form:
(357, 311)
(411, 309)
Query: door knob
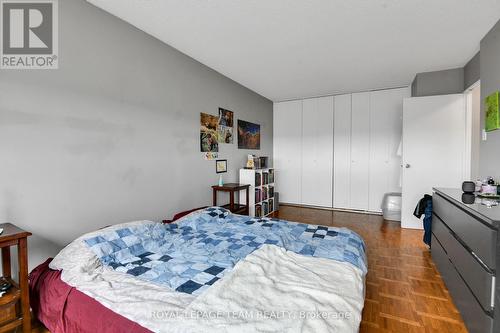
(407, 166)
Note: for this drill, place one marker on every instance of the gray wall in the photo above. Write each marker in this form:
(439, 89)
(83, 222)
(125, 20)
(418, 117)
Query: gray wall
(472, 71)
(450, 81)
(490, 82)
(113, 135)
(485, 65)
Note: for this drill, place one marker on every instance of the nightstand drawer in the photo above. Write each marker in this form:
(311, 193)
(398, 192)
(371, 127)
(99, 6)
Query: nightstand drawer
(7, 314)
(478, 237)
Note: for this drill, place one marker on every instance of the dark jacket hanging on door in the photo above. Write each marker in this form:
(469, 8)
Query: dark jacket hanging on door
(424, 207)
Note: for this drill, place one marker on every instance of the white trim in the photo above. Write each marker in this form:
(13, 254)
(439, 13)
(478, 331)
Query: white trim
(467, 160)
(469, 123)
(474, 85)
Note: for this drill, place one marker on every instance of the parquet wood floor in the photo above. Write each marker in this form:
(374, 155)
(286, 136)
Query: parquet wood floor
(404, 291)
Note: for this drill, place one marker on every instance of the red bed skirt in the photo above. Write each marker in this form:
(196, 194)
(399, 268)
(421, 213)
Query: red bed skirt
(64, 309)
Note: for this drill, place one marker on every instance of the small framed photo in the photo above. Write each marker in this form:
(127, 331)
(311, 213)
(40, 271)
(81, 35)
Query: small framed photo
(221, 166)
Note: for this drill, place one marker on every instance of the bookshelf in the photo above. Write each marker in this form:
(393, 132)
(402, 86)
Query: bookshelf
(261, 197)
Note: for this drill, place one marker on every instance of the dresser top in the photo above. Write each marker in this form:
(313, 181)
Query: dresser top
(489, 215)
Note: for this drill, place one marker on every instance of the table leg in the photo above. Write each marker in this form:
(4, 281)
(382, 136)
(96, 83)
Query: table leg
(214, 201)
(22, 250)
(231, 201)
(6, 262)
(247, 210)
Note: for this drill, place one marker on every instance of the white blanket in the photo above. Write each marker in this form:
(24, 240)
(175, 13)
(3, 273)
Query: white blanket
(270, 290)
(274, 290)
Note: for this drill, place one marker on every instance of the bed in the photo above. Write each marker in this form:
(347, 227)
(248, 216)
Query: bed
(209, 271)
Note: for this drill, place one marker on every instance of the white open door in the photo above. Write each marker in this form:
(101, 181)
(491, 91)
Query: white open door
(434, 135)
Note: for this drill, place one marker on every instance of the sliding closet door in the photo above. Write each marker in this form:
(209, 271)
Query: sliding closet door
(342, 151)
(317, 151)
(287, 142)
(360, 151)
(386, 114)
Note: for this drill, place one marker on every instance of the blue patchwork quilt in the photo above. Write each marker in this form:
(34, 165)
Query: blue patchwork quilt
(189, 256)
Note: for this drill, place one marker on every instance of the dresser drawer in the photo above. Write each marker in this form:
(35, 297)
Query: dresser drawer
(496, 325)
(475, 276)
(476, 320)
(440, 258)
(478, 237)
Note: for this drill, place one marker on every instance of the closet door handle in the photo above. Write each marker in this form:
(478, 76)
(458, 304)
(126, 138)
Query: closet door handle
(407, 166)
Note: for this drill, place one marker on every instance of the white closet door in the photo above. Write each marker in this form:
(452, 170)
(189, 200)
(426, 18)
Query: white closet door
(386, 121)
(360, 151)
(287, 142)
(317, 151)
(342, 151)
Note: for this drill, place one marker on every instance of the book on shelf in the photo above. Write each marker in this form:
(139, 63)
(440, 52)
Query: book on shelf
(265, 208)
(271, 205)
(258, 210)
(271, 176)
(258, 179)
(264, 193)
(265, 178)
(270, 191)
(258, 196)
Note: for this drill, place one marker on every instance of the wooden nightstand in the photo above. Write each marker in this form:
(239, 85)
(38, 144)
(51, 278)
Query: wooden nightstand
(232, 188)
(15, 304)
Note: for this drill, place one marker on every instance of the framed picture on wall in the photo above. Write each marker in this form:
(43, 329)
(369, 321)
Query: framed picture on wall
(208, 133)
(248, 135)
(225, 126)
(492, 121)
(221, 166)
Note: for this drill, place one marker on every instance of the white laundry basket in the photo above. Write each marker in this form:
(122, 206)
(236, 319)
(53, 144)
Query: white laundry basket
(391, 206)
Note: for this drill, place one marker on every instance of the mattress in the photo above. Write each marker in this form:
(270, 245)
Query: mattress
(63, 308)
(249, 275)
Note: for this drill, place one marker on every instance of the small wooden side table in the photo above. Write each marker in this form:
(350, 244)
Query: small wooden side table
(236, 208)
(11, 236)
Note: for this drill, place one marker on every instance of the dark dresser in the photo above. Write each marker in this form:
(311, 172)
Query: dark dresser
(465, 247)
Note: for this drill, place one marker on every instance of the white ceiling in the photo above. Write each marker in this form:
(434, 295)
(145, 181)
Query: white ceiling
(286, 49)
